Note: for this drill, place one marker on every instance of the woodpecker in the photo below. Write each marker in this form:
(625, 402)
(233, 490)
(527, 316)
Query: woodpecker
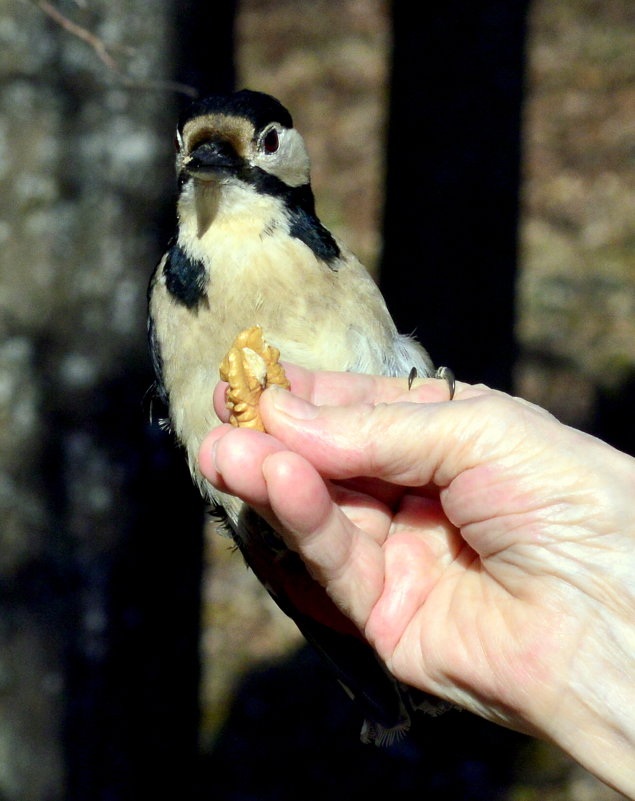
(249, 249)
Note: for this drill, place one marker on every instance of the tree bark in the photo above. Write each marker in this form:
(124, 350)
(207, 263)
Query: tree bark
(100, 552)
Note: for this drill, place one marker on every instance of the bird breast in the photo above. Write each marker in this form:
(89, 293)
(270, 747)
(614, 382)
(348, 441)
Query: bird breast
(256, 273)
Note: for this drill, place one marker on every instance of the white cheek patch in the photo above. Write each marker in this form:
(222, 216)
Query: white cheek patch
(290, 163)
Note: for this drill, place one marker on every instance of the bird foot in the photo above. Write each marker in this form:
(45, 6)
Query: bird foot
(448, 376)
(441, 372)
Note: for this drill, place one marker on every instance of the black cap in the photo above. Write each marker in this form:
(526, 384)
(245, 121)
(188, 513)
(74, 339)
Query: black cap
(257, 107)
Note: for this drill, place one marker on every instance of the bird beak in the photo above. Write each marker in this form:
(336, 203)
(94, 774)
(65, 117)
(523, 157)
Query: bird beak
(214, 155)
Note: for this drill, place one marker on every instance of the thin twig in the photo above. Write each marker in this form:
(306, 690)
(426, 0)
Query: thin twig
(101, 49)
(81, 33)
(159, 86)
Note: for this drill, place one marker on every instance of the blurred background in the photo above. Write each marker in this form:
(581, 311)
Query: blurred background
(479, 158)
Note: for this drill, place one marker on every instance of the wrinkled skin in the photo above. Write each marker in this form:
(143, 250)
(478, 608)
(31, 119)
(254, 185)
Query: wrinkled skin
(485, 550)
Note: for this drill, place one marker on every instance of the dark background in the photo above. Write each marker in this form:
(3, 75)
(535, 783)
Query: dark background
(103, 554)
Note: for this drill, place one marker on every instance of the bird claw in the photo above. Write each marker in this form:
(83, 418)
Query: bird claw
(448, 376)
(442, 372)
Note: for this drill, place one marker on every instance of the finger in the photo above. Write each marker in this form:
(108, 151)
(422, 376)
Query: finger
(389, 494)
(343, 558)
(363, 508)
(207, 456)
(342, 389)
(231, 460)
(236, 467)
(220, 401)
(413, 444)
(324, 388)
(335, 388)
(421, 545)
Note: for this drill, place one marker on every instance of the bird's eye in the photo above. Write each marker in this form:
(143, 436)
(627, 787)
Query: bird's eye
(271, 142)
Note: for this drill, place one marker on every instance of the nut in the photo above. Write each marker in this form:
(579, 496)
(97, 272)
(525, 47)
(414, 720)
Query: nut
(250, 366)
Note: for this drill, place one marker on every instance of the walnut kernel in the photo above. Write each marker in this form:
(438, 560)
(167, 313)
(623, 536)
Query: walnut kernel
(250, 366)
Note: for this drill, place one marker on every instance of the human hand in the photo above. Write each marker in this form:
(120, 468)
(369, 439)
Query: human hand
(485, 550)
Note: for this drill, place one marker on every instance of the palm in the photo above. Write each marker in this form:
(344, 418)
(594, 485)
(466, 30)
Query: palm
(506, 588)
(472, 610)
(441, 615)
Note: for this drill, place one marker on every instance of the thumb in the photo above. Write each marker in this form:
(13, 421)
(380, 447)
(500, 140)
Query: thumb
(411, 444)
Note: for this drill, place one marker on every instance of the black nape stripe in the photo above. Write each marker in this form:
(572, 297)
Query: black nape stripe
(185, 278)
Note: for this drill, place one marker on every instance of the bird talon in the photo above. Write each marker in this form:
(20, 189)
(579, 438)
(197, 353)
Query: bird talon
(411, 377)
(448, 376)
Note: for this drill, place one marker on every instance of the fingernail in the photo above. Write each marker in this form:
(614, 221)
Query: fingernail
(213, 453)
(293, 406)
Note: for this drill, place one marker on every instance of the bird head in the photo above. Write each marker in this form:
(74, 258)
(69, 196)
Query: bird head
(246, 137)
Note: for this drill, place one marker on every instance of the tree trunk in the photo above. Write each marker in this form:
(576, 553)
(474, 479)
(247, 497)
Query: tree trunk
(100, 555)
(448, 271)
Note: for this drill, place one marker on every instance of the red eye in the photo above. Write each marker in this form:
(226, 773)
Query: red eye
(271, 142)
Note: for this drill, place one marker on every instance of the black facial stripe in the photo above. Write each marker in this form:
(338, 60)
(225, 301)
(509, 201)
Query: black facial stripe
(260, 109)
(300, 206)
(267, 184)
(185, 278)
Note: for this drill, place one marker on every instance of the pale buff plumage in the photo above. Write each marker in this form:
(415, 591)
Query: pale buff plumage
(248, 256)
(317, 317)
